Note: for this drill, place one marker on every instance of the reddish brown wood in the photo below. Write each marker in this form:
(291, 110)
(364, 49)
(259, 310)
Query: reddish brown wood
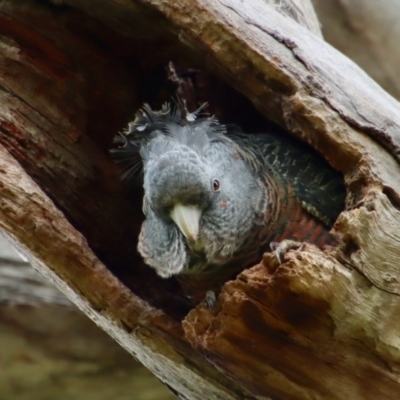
(297, 330)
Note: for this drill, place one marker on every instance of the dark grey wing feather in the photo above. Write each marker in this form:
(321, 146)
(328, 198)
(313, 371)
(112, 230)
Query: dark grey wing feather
(319, 188)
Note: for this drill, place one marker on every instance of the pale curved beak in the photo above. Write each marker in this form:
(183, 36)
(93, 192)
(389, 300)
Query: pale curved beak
(187, 218)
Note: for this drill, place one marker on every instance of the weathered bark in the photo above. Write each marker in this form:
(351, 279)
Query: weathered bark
(301, 11)
(70, 78)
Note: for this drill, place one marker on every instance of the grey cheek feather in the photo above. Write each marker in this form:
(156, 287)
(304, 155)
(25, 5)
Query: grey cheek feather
(224, 235)
(224, 230)
(162, 247)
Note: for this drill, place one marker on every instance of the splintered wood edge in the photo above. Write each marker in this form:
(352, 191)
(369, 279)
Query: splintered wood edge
(335, 312)
(38, 229)
(372, 240)
(311, 314)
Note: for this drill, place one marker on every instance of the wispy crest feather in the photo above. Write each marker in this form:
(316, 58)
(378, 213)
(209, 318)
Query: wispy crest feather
(175, 124)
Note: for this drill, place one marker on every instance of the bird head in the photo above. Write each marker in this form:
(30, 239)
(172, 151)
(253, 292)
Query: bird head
(201, 196)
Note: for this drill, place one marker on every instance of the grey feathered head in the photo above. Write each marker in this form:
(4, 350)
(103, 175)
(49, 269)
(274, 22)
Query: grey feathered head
(201, 198)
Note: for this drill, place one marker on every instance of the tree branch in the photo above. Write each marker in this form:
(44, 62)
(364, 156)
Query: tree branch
(62, 202)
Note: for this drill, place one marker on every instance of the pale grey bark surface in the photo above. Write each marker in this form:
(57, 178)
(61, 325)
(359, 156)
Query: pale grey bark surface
(302, 11)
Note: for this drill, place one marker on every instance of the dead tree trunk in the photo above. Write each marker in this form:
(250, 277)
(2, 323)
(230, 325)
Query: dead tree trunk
(322, 324)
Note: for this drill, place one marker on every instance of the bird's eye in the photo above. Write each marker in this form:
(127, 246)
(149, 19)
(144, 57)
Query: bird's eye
(216, 185)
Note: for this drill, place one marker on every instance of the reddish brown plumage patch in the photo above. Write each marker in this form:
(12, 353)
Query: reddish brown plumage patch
(303, 227)
(223, 204)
